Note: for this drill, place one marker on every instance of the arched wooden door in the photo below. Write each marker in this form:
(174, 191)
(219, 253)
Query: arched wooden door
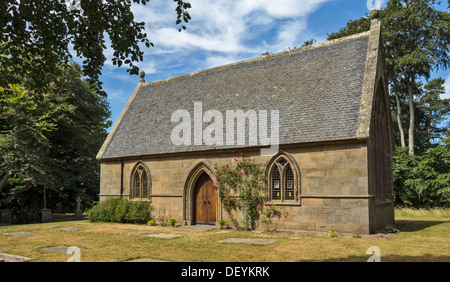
(205, 201)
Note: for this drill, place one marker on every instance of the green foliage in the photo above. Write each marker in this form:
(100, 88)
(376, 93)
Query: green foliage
(120, 210)
(268, 213)
(50, 139)
(435, 109)
(241, 188)
(172, 221)
(242, 178)
(391, 229)
(352, 27)
(423, 181)
(222, 223)
(36, 36)
(312, 41)
(27, 121)
(332, 233)
(152, 222)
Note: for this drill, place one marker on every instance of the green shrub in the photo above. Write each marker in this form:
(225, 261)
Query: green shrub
(120, 210)
(172, 221)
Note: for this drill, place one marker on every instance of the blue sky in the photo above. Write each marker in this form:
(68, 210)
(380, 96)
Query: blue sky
(226, 31)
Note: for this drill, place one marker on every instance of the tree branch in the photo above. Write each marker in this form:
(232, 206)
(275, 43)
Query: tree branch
(10, 197)
(3, 181)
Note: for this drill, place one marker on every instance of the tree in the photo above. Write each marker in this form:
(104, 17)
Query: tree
(35, 37)
(423, 181)
(352, 27)
(436, 109)
(50, 140)
(420, 36)
(417, 40)
(76, 141)
(26, 121)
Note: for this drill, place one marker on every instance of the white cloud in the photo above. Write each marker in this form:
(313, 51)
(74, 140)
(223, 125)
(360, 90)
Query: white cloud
(215, 61)
(280, 8)
(225, 30)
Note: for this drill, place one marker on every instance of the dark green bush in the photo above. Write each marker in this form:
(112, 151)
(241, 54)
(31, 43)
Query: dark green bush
(120, 210)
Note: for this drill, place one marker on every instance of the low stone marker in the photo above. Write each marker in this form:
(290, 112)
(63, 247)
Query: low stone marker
(160, 235)
(13, 258)
(248, 241)
(196, 228)
(145, 260)
(21, 234)
(69, 229)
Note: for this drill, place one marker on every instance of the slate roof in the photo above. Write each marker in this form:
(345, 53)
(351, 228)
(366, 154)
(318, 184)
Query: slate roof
(317, 91)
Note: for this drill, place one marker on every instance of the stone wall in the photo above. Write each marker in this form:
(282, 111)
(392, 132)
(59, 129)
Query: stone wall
(333, 194)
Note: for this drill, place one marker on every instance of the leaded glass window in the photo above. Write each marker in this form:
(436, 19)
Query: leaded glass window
(137, 185)
(276, 184)
(289, 184)
(140, 188)
(144, 185)
(282, 181)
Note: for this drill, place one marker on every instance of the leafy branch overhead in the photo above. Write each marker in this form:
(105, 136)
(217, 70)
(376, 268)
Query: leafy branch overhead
(182, 14)
(36, 36)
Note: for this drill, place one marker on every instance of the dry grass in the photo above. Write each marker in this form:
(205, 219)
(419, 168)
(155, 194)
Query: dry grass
(435, 213)
(422, 239)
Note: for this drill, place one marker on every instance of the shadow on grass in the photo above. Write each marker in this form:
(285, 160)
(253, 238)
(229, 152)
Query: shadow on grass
(416, 225)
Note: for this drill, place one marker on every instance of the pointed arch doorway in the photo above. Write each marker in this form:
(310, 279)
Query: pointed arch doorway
(204, 201)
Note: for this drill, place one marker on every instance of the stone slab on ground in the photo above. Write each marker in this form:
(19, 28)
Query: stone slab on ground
(69, 228)
(60, 249)
(196, 228)
(21, 234)
(160, 235)
(249, 241)
(146, 260)
(13, 258)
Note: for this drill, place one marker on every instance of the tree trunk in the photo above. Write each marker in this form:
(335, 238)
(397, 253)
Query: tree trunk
(3, 181)
(399, 117)
(411, 117)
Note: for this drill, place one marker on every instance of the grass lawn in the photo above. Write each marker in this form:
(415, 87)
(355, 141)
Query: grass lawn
(422, 238)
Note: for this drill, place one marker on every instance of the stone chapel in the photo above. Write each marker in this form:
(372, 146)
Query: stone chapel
(332, 169)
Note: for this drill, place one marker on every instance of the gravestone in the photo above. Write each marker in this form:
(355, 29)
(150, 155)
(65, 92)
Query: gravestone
(78, 213)
(46, 215)
(5, 217)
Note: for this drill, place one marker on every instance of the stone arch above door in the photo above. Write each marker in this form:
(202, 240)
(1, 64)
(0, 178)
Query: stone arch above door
(189, 190)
